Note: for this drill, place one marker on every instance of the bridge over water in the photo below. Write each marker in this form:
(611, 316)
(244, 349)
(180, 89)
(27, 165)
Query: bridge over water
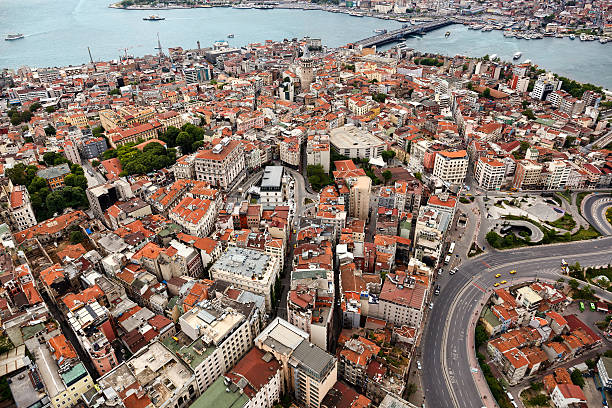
(401, 33)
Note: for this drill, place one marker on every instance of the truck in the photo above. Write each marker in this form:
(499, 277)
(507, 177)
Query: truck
(451, 247)
(447, 260)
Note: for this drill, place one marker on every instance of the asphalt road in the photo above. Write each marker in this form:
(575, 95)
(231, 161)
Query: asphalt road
(594, 209)
(448, 378)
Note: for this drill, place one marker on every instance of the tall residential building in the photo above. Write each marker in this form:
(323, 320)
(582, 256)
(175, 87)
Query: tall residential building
(526, 175)
(359, 199)
(558, 174)
(101, 198)
(22, 213)
(248, 269)
(451, 167)
(318, 151)
(254, 382)
(214, 336)
(221, 165)
(272, 189)
(490, 173)
(71, 151)
(309, 372)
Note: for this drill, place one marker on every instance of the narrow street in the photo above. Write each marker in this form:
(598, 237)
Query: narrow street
(70, 336)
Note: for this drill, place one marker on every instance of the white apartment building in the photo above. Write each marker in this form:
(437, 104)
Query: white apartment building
(214, 338)
(248, 269)
(318, 151)
(401, 301)
(451, 167)
(354, 142)
(195, 215)
(22, 213)
(309, 372)
(490, 173)
(558, 175)
(272, 189)
(221, 165)
(417, 155)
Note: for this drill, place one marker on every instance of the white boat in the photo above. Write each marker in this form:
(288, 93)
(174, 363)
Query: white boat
(527, 61)
(380, 31)
(241, 6)
(603, 40)
(517, 55)
(493, 56)
(13, 37)
(583, 37)
(230, 36)
(572, 37)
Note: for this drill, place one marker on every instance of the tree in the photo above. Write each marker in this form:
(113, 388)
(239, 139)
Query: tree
(529, 114)
(76, 180)
(418, 176)
(50, 109)
(379, 97)
(50, 130)
(480, 336)
(185, 140)
(37, 184)
(95, 163)
(574, 284)
(540, 400)
(577, 378)
(76, 237)
(115, 91)
(411, 388)
(388, 155)
(109, 154)
(387, 175)
(486, 93)
(169, 136)
(34, 107)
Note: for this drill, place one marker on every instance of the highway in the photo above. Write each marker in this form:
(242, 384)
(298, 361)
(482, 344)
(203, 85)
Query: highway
(594, 208)
(448, 376)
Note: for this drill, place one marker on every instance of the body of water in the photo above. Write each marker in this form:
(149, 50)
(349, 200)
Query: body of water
(57, 33)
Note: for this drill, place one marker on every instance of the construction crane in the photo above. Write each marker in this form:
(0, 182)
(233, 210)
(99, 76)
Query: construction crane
(125, 50)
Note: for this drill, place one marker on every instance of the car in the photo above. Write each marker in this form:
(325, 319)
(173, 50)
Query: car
(496, 284)
(437, 290)
(498, 275)
(503, 282)
(430, 305)
(512, 272)
(419, 365)
(454, 271)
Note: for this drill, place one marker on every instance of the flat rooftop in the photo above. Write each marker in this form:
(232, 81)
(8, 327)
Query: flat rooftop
(242, 261)
(272, 178)
(352, 137)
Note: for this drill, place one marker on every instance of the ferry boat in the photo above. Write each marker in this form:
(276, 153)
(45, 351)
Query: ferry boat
(487, 28)
(355, 14)
(241, 6)
(447, 34)
(492, 57)
(603, 40)
(572, 37)
(380, 31)
(527, 61)
(264, 7)
(508, 33)
(230, 36)
(13, 37)
(583, 37)
(517, 55)
(154, 17)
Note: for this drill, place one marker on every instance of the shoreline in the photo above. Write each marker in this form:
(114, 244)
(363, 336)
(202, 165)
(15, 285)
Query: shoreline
(471, 23)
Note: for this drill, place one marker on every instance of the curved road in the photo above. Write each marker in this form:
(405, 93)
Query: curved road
(594, 208)
(448, 379)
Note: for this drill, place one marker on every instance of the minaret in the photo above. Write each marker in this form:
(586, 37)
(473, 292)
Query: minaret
(159, 48)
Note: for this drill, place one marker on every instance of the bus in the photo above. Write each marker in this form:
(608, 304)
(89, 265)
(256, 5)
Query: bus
(564, 266)
(451, 248)
(581, 306)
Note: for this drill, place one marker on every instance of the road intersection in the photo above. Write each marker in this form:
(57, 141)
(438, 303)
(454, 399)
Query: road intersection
(450, 370)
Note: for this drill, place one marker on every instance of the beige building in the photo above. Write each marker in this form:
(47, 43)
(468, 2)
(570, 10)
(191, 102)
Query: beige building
(290, 151)
(359, 201)
(451, 167)
(221, 165)
(527, 174)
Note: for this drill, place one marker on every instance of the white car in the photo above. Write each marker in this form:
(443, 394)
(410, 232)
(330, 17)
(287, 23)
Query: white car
(431, 305)
(419, 365)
